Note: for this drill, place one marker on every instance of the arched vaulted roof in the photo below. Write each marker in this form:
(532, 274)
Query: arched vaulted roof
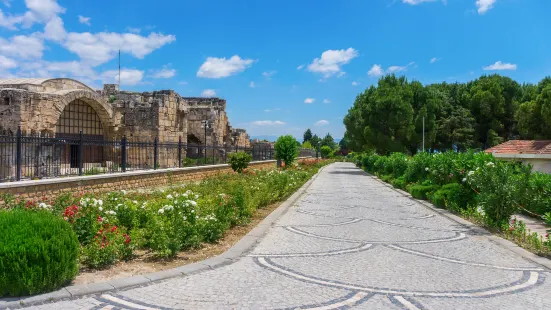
(48, 85)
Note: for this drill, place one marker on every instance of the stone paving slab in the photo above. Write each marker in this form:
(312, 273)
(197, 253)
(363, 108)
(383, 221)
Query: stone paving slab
(350, 241)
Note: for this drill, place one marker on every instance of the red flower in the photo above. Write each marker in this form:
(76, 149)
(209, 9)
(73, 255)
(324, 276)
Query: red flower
(114, 228)
(511, 228)
(99, 219)
(546, 235)
(127, 239)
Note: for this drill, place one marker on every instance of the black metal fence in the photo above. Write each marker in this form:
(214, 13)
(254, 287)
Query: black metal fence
(31, 157)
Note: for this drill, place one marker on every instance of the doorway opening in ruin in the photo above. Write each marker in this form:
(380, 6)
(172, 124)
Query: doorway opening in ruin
(76, 117)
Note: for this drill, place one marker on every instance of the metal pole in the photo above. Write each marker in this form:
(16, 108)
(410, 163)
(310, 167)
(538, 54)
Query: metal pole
(123, 154)
(80, 154)
(423, 134)
(18, 151)
(205, 143)
(155, 153)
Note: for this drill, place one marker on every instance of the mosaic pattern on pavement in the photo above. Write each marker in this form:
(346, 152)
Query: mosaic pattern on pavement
(352, 242)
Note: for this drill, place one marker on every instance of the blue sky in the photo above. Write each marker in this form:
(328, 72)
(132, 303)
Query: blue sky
(282, 66)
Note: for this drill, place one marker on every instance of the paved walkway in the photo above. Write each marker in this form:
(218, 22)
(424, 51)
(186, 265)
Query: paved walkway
(352, 242)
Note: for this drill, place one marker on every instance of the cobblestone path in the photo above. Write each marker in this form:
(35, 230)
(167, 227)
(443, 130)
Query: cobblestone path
(351, 242)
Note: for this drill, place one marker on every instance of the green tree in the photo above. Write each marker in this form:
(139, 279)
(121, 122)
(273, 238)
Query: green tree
(326, 151)
(307, 135)
(307, 145)
(316, 142)
(286, 149)
(328, 141)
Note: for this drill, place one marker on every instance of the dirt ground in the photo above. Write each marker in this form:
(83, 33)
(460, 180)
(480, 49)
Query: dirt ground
(145, 262)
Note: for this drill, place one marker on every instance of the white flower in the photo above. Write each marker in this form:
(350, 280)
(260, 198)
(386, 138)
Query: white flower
(193, 203)
(169, 196)
(161, 211)
(480, 210)
(427, 169)
(470, 173)
(123, 192)
(192, 211)
(464, 180)
(100, 202)
(490, 164)
(100, 208)
(44, 206)
(135, 202)
(196, 197)
(111, 212)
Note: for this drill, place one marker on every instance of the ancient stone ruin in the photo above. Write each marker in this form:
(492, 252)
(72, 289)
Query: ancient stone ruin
(62, 108)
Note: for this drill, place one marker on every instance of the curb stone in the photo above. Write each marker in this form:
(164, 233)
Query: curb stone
(238, 250)
(511, 246)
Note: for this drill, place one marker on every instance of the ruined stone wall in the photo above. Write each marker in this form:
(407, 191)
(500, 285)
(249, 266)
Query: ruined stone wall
(12, 101)
(203, 109)
(151, 114)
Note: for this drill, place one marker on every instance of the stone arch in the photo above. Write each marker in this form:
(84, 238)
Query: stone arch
(96, 101)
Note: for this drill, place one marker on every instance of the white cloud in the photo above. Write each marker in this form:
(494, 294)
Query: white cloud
(164, 73)
(326, 101)
(74, 68)
(25, 47)
(183, 83)
(84, 20)
(7, 63)
(208, 93)
(331, 61)
(309, 100)
(433, 60)
(376, 70)
(484, 5)
(267, 110)
(133, 30)
(55, 30)
(251, 84)
(300, 67)
(354, 83)
(415, 2)
(9, 21)
(215, 68)
(268, 123)
(341, 74)
(268, 75)
(128, 76)
(99, 48)
(396, 69)
(501, 66)
(44, 10)
(7, 3)
(321, 123)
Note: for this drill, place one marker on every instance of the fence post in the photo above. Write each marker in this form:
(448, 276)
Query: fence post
(155, 153)
(180, 152)
(18, 154)
(80, 154)
(123, 154)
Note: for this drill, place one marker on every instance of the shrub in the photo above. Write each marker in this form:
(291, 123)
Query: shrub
(386, 178)
(396, 165)
(501, 187)
(399, 183)
(38, 253)
(449, 195)
(239, 161)
(326, 151)
(418, 168)
(538, 194)
(286, 149)
(420, 191)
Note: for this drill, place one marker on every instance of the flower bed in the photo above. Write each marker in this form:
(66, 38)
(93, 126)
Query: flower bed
(475, 185)
(111, 227)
